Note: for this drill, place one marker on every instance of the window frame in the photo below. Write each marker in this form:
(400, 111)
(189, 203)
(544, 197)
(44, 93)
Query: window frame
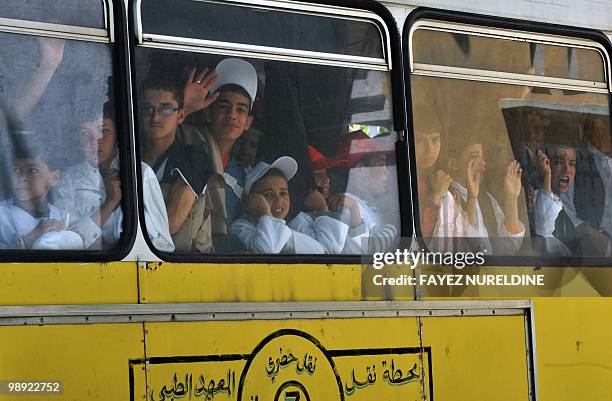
(157, 41)
(62, 31)
(526, 29)
(116, 38)
(394, 67)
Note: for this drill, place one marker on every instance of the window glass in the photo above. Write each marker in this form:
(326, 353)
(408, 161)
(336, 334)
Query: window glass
(88, 13)
(184, 18)
(512, 170)
(472, 51)
(278, 158)
(59, 187)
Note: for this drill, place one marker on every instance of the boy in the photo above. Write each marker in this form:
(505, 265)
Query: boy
(486, 217)
(322, 202)
(263, 229)
(368, 177)
(183, 170)
(556, 219)
(28, 218)
(551, 222)
(91, 190)
(233, 86)
(442, 219)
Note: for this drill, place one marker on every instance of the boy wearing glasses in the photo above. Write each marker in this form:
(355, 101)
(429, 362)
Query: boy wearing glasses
(183, 170)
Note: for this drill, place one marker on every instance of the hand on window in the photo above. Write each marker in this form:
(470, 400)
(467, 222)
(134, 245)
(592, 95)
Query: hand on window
(512, 179)
(544, 167)
(197, 88)
(474, 175)
(439, 182)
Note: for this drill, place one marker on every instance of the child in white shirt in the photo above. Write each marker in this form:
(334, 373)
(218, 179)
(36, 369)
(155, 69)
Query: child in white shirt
(263, 228)
(28, 220)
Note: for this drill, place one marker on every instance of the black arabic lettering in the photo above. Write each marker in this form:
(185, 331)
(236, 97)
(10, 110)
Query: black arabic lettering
(309, 365)
(274, 366)
(210, 389)
(370, 379)
(396, 377)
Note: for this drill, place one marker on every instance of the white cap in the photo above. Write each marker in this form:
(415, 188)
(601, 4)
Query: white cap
(287, 165)
(59, 240)
(238, 72)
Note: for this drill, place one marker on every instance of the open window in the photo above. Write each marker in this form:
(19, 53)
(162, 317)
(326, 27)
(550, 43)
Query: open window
(312, 83)
(64, 136)
(512, 139)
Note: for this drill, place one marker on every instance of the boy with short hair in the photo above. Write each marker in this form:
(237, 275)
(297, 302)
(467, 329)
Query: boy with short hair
(228, 115)
(500, 220)
(263, 228)
(91, 190)
(183, 170)
(28, 219)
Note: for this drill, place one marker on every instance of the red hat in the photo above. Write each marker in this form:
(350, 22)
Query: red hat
(320, 162)
(357, 144)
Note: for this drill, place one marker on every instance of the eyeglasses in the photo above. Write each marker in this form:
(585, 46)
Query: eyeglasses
(164, 111)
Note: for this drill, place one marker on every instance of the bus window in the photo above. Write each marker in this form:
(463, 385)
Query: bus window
(267, 156)
(472, 52)
(260, 26)
(508, 168)
(72, 12)
(60, 186)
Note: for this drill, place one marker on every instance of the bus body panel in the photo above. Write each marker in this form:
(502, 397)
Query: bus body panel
(68, 283)
(91, 361)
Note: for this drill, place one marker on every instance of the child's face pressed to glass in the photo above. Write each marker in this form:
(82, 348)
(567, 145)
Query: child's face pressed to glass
(276, 192)
(97, 139)
(32, 179)
(427, 149)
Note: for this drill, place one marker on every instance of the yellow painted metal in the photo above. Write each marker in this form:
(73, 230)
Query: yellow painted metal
(573, 352)
(90, 360)
(68, 283)
(364, 359)
(174, 282)
(468, 360)
(478, 358)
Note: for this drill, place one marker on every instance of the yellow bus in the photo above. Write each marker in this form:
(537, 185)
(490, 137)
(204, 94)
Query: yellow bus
(305, 200)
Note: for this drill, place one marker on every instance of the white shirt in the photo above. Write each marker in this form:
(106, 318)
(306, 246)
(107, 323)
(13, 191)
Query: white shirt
(604, 168)
(156, 216)
(81, 192)
(567, 199)
(451, 223)
(508, 243)
(381, 236)
(546, 210)
(326, 230)
(16, 223)
(272, 236)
